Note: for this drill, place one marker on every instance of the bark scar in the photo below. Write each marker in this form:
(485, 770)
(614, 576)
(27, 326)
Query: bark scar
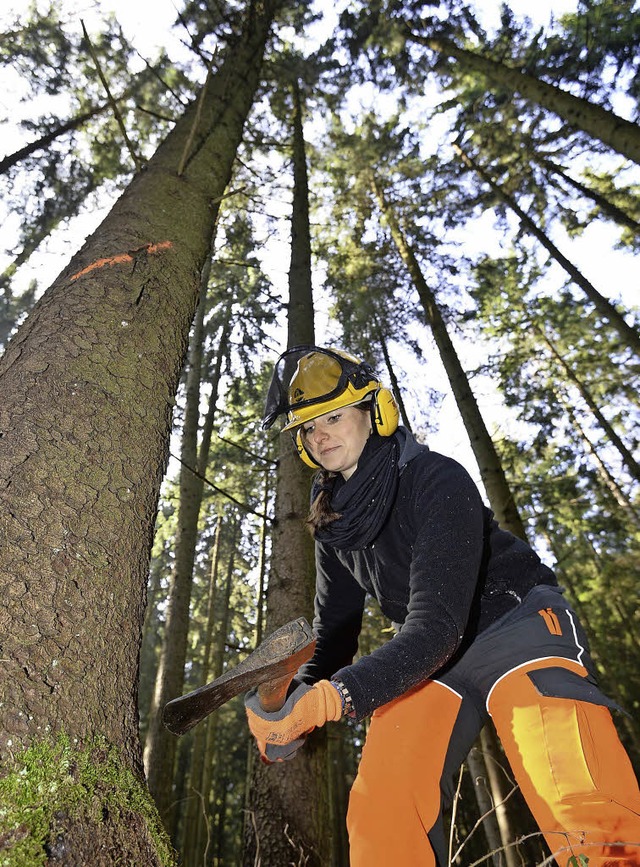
(121, 258)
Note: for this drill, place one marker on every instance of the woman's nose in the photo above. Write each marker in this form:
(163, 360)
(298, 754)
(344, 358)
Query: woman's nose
(318, 435)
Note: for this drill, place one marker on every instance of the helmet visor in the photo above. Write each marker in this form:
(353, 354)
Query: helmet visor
(308, 375)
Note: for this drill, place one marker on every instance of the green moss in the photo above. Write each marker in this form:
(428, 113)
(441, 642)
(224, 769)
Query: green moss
(50, 782)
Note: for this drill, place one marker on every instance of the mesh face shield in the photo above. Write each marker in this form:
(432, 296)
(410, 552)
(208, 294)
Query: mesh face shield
(308, 381)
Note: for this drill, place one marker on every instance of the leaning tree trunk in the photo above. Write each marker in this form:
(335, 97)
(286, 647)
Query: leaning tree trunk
(606, 309)
(478, 773)
(616, 132)
(88, 387)
(628, 460)
(393, 379)
(160, 566)
(607, 478)
(489, 464)
(203, 785)
(287, 809)
(607, 207)
(53, 213)
(74, 123)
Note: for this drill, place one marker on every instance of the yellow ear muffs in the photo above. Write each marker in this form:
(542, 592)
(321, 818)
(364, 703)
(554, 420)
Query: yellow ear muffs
(385, 414)
(303, 454)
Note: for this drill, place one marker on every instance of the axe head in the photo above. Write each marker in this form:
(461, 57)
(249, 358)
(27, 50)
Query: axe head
(271, 668)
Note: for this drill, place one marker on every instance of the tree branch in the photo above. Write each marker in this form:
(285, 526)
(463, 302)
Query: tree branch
(112, 102)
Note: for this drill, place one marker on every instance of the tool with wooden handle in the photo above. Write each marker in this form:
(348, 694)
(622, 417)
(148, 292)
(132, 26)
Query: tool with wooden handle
(271, 667)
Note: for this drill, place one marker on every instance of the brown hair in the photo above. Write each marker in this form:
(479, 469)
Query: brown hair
(321, 513)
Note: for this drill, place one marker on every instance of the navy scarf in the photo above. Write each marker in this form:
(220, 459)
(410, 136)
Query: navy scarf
(365, 500)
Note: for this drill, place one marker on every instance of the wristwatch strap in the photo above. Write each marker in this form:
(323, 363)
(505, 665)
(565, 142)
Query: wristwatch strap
(345, 695)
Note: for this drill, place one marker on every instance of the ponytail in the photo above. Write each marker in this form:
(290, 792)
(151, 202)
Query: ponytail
(321, 513)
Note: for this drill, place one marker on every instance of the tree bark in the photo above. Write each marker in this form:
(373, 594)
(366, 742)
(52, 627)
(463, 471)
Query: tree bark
(262, 559)
(196, 801)
(54, 211)
(500, 791)
(339, 787)
(88, 387)
(397, 391)
(223, 612)
(614, 131)
(149, 649)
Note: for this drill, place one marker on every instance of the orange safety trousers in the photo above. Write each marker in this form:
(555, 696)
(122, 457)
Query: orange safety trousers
(554, 725)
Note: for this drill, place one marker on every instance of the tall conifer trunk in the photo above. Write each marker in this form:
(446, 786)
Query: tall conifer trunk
(300, 317)
(611, 129)
(160, 746)
(88, 387)
(608, 479)
(288, 813)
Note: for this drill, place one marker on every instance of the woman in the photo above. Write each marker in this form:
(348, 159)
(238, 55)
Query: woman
(482, 630)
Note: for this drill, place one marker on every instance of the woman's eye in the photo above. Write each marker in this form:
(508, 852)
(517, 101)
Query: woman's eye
(334, 418)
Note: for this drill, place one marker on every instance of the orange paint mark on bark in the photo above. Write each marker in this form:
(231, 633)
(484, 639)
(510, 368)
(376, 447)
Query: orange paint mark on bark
(120, 258)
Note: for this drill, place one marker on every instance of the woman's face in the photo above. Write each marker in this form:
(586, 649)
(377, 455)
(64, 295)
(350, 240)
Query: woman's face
(336, 439)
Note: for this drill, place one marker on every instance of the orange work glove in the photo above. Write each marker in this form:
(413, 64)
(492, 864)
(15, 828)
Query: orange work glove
(306, 708)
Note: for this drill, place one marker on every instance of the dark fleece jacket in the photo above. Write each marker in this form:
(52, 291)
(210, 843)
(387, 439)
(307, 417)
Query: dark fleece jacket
(441, 569)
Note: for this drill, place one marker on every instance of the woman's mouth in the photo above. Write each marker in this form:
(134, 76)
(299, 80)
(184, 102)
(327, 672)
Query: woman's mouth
(328, 451)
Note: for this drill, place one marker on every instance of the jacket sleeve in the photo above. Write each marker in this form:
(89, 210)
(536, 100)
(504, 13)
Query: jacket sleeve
(337, 621)
(447, 514)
